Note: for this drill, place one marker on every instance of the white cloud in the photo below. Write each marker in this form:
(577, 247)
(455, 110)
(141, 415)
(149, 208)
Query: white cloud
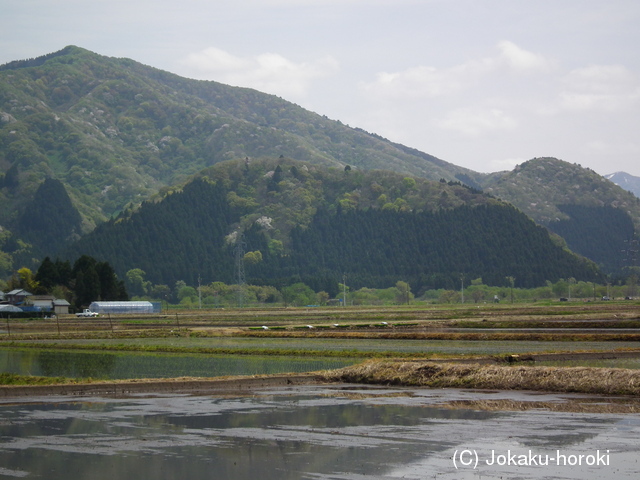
(522, 60)
(474, 121)
(431, 82)
(608, 88)
(426, 81)
(215, 60)
(267, 72)
(417, 82)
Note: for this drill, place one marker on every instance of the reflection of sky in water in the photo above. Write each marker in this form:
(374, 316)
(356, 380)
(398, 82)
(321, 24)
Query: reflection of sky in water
(315, 432)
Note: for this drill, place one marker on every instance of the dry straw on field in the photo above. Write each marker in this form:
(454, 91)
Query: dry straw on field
(610, 381)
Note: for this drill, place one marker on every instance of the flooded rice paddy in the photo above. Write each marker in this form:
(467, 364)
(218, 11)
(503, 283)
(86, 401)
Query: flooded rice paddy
(322, 432)
(116, 366)
(456, 347)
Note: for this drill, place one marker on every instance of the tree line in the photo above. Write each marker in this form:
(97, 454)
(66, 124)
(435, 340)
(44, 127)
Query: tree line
(85, 281)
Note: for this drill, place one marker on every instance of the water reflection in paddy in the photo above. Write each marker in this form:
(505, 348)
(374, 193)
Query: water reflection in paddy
(109, 365)
(487, 347)
(313, 432)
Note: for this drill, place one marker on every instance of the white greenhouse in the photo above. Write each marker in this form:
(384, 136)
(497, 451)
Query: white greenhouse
(122, 307)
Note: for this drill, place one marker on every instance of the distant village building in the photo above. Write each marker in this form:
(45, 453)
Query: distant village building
(24, 301)
(60, 307)
(42, 302)
(123, 307)
(17, 297)
(49, 303)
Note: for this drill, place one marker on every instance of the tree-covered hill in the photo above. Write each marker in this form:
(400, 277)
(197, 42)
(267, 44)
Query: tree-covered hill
(296, 221)
(596, 217)
(114, 131)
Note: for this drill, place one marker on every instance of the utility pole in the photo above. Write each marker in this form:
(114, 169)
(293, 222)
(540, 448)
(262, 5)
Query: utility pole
(344, 289)
(632, 264)
(511, 279)
(240, 280)
(462, 287)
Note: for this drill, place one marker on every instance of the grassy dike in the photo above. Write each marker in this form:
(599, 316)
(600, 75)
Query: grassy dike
(587, 380)
(607, 381)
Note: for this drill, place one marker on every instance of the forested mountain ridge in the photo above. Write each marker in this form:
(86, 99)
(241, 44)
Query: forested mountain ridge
(301, 222)
(114, 131)
(290, 191)
(596, 217)
(539, 185)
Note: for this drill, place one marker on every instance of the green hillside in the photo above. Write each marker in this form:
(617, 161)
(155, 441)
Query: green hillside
(85, 138)
(114, 131)
(596, 217)
(298, 222)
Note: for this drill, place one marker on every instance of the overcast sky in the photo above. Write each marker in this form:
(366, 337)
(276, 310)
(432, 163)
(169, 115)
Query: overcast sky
(484, 84)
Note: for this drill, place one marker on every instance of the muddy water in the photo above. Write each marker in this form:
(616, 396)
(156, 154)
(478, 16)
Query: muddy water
(322, 432)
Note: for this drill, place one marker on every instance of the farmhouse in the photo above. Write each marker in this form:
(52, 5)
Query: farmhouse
(17, 297)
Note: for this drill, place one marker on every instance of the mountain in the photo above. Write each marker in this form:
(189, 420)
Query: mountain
(114, 131)
(299, 222)
(596, 217)
(626, 181)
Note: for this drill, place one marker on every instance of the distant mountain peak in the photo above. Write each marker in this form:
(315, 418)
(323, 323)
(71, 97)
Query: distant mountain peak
(625, 180)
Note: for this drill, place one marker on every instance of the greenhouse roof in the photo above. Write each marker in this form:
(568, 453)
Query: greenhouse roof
(123, 304)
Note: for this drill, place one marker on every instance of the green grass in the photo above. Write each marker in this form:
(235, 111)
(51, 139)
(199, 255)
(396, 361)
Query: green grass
(13, 379)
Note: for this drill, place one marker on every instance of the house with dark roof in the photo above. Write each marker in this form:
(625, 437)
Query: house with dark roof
(17, 297)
